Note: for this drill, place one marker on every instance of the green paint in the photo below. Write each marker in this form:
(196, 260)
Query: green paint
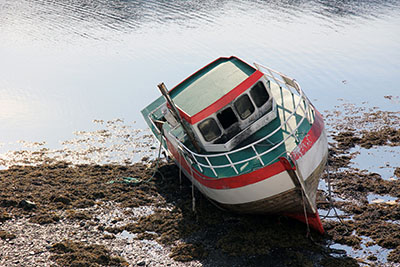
(209, 84)
(285, 105)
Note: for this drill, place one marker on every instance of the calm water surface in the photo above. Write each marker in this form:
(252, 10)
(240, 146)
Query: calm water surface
(65, 63)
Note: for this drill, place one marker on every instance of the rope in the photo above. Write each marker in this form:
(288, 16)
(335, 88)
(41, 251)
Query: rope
(193, 199)
(331, 204)
(193, 196)
(329, 195)
(180, 171)
(157, 164)
(180, 180)
(305, 213)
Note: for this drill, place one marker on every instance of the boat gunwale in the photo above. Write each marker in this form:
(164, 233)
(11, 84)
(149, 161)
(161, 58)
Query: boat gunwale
(232, 165)
(301, 100)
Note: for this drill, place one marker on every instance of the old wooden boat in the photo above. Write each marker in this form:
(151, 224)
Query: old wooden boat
(246, 136)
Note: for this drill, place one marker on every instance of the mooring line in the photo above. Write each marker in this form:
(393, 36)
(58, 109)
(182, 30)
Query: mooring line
(331, 204)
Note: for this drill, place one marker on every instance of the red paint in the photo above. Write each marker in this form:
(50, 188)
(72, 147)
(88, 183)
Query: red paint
(261, 174)
(309, 140)
(286, 163)
(313, 220)
(257, 175)
(241, 180)
(225, 100)
(229, 182)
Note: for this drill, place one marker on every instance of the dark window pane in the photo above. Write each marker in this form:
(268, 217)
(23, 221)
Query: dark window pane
(244, 106)
(209, 129)
(259, 94)
(227, 118)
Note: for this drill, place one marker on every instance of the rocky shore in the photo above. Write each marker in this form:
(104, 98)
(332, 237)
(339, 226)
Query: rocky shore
(59, 213)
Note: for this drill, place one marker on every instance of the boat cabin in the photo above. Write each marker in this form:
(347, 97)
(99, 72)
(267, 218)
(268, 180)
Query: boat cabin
(223, 103)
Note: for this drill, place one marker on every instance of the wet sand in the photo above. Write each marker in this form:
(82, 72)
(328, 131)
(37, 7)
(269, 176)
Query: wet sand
(64, 214)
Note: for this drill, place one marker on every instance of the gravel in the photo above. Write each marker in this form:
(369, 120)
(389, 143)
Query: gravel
(32, 241)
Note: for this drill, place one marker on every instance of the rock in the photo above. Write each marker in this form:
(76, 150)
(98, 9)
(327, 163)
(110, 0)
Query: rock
(27, 205)
(61, 199)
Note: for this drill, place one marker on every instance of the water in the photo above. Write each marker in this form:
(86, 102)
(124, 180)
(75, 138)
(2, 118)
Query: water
(66, 63)
(382, 160)
(385, 199)
(366, 250)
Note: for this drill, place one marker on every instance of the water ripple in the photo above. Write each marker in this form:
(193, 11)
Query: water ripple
(89, 18)
(70, 59)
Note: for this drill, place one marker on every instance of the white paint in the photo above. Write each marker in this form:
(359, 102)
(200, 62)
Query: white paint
(266, 188)
(313, 157)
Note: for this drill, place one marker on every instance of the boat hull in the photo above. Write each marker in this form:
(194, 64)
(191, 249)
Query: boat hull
(287, 202)
(246, 164)
(272, 188)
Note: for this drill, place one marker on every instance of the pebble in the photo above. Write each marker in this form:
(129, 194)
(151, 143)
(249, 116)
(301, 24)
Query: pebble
(32, 243)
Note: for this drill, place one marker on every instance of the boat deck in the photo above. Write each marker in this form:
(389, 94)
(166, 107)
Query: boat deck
(247, 157)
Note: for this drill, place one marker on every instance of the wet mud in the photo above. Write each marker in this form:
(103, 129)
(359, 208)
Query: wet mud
(47, 194)
(377, 220)
(57, 191)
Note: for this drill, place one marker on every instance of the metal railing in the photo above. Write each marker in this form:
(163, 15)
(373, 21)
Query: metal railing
(303, 104)
(289, 83)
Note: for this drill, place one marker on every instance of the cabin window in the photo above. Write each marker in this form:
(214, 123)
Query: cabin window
(259, 94)
(227, 118)
(244, 107)
(209, 129)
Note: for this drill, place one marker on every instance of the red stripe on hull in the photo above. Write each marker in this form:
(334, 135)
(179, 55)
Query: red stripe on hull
(309, 140)
(230, 182)
(257, 175)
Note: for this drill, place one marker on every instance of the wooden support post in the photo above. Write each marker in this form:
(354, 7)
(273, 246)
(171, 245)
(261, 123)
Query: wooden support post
(177, 116)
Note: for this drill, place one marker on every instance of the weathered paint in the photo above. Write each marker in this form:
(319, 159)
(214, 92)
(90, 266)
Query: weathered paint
(309, 140)
(223, 101)
(270, 187)
(275, 194)
(243, 180)
(250, 128)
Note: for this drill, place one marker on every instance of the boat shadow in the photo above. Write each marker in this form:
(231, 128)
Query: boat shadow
(215, 237)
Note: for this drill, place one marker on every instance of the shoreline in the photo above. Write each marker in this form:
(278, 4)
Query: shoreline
(63, 214)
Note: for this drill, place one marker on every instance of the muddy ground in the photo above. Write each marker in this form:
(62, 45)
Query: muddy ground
(42, 194)
(61, 193)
